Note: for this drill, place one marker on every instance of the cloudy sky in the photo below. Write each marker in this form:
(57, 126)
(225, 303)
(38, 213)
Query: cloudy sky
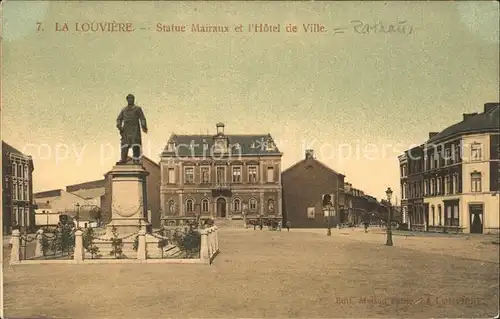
(358, 100)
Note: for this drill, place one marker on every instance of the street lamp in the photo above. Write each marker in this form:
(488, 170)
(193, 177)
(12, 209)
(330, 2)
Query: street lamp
(78, 215)
(388, 192)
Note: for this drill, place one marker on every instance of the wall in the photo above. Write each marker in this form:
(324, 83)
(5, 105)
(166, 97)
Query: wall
(303, 186)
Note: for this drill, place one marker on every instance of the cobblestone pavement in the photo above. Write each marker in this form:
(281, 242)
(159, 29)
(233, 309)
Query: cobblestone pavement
(301, 273)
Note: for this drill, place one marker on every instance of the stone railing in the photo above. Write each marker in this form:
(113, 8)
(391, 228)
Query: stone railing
(209, 248)
(209, 244)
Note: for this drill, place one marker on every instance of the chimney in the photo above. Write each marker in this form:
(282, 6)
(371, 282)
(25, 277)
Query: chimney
(309, 154)
(220, 128)
(432, 134)
(468, 115)
(490, 106)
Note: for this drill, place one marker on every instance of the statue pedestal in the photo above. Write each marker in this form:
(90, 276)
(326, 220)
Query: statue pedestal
(128, 200)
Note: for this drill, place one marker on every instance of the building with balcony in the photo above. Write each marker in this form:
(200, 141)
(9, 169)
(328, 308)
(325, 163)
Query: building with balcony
(304, 185)
(17, 189)
(220, 176)
(403, 171)
(453, 178)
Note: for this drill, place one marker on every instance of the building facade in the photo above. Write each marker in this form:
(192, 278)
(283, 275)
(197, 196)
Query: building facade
(220, 176)
(304, 184)
(17, 190)
(453, 178)
(54, 203)
(403, 171)
(359, 207)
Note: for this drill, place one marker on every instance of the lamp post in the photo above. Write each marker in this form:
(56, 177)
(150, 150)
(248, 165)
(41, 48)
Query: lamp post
(388, 192)
(78, 215)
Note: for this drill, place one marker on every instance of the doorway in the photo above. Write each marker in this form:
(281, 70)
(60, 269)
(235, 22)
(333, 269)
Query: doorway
(476, 218)
(221, 208)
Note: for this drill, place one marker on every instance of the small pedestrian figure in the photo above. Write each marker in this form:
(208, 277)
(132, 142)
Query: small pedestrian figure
(261, 226)
(280, 225)
(254, 226)
(288, 225)
(366, 226)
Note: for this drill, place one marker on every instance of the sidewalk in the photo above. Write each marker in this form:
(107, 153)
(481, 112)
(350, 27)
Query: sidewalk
(470, 247)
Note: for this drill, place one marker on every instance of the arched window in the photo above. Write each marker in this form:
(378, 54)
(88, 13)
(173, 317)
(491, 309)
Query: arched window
(439, 213)
(204, 205)
(270, 205)
(236, 205)
(252, 203)
(189, 206)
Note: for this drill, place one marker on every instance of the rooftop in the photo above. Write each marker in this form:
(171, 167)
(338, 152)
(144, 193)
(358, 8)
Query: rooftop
(51, 193)
(487, 121)
(203, 145)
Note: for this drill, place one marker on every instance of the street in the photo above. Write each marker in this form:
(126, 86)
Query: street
(301, 273)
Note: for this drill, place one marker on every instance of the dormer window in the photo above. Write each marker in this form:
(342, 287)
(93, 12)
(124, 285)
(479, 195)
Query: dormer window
(171, 146)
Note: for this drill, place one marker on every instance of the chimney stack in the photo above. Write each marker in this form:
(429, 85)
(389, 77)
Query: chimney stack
(432, 134)
(309, 154)
(468, 115)
(490, 106)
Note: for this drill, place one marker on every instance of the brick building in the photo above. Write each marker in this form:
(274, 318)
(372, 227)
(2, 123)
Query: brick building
(303, 184)
(220, 176)
(17, 189)
(452, 181)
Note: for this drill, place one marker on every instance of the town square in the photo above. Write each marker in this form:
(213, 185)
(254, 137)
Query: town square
(313, 171)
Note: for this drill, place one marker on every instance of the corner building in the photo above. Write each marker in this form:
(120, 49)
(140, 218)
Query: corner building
(453, 180)
(220, 176)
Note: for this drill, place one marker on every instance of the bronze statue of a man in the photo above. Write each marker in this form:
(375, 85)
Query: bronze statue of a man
(129, 122)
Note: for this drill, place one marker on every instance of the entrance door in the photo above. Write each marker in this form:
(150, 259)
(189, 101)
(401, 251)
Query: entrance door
(476, 219)
(221, 208)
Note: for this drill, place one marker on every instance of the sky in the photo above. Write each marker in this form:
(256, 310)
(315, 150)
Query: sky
(358, 99)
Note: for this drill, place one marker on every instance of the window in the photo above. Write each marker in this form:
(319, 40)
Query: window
(270, 205)
(270, 174)
(447, 156)
(20, 170)
(454, 184)
(252, 204)
(433, 187)
(20, 192)
(14, 169)
(252, 174)
(432, 161)
(189, 206)
(26, 173)
(236, 205)
(439, 216)
(26, 193)
(447, 184)
(237, 174)
(15, 189)
(221, 174)
(439, 184)
(311, 214)
(455, 218)
(15, 219)
(475, 152)
(205, 175)
(204, 205)
(171, 175)
(171, 207)
(189, 175)
(475, 179)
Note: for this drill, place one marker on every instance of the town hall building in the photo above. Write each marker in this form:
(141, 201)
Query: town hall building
(220, 176)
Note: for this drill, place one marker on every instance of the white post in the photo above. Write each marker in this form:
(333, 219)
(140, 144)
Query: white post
(141, 248)
(79, 252)
(204, 253)
(38, 248)
(16, 247)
